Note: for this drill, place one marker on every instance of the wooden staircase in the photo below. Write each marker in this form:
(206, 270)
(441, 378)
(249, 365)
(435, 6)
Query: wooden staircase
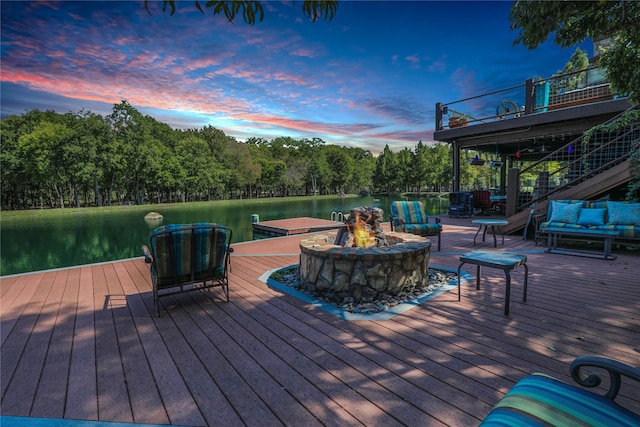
(601, 183)
(609, 170)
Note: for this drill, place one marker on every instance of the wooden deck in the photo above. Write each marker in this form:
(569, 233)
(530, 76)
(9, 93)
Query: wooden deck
(82, 343)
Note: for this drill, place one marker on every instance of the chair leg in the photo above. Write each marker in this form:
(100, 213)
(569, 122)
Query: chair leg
(507, 293)
(225, 289)
(459, 279)
(156, 302)
(526, 279)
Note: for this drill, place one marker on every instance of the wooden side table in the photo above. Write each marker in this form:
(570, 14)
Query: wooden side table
(500, 260)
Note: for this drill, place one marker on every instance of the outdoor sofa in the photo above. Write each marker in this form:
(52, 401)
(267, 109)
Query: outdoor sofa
(585, 215)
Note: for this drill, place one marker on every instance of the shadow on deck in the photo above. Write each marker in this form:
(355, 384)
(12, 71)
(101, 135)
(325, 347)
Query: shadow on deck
(82, 343)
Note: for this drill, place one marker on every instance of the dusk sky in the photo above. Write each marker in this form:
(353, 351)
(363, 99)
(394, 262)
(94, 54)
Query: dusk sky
(369, 78)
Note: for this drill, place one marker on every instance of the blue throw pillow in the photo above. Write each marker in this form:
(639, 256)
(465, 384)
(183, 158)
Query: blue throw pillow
(589, 217)
(565, 212)
(624, 213)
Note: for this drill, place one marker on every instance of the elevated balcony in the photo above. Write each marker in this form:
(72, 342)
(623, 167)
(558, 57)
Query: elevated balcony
(534, 138)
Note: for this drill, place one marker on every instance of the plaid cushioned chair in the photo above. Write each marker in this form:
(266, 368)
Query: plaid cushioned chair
(410, 217)
(540, 400)
(185, 257)
(482, 201)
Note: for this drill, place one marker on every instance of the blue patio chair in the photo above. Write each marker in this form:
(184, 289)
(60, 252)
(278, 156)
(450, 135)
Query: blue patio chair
(410, 217)
(543, 401)
(187, 257)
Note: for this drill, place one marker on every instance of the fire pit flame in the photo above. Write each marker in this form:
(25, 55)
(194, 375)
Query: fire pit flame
(363, 229)
(362, 236)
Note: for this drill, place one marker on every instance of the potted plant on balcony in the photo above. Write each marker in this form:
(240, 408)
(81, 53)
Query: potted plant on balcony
(458, 120)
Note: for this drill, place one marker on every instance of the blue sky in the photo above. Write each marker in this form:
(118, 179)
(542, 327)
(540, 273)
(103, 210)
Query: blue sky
(369, 78)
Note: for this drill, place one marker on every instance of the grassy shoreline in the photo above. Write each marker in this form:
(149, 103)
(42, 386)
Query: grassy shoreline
(53, 212)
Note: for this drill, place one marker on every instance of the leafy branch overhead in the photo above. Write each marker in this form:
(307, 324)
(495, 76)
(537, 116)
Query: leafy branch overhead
(252, 10)
(572, 22)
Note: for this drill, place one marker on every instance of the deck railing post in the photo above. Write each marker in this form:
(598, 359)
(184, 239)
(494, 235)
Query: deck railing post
(456, 166)
(528, 96)
(513, 190)
(439, 116)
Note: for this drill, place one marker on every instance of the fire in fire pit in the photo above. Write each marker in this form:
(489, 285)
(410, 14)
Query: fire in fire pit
(363, 268)
(363, 229)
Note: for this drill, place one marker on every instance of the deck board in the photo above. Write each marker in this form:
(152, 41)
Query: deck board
(84, 343)
(82, 394)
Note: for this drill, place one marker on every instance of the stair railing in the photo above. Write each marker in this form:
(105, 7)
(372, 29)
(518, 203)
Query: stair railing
(581, 161)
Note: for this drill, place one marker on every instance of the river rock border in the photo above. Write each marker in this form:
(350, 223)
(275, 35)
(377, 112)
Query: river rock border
(441, 279)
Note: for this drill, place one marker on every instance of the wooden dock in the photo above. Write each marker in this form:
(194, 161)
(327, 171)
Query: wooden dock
(293, 226)
(83, 343)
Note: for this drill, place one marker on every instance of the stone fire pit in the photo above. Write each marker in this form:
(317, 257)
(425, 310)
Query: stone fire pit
(362, 275)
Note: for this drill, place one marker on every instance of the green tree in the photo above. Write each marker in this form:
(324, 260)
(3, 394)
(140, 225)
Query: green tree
(312, 151)
(244, 172)
(571, 22)
(578, 61)
(165, 175)
(363, 169)
(44, 152)
(441, 157)
(202, 171)
(11, 163)
(18, 185)
(386, 174)
(252, 10)
(340, 167)
(126, 123)
(94, 134)
(138, 136)
(404, 169)
(420, 165)
(78, 155)
(271, 177)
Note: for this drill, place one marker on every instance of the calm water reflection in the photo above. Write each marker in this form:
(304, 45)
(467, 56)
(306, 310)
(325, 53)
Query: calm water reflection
(41, 242)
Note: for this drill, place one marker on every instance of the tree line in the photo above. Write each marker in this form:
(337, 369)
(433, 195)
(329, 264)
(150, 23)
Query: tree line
(79, 159)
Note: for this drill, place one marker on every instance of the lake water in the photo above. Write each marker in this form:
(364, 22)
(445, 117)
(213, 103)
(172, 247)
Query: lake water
(42, 242)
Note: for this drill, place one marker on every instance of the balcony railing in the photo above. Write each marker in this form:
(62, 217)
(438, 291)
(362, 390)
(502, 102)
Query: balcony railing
(531, 97)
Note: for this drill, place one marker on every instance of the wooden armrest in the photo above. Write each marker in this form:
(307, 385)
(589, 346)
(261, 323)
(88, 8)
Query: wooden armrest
(614, 368)
(147, 254)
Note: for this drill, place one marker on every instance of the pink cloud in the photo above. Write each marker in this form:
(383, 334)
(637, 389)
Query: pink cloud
(307, 53)
(199, 64)
(414, 59)
(76, 17)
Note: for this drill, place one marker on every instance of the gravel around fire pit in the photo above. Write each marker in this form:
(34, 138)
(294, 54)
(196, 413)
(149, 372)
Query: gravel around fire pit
(288, 276)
